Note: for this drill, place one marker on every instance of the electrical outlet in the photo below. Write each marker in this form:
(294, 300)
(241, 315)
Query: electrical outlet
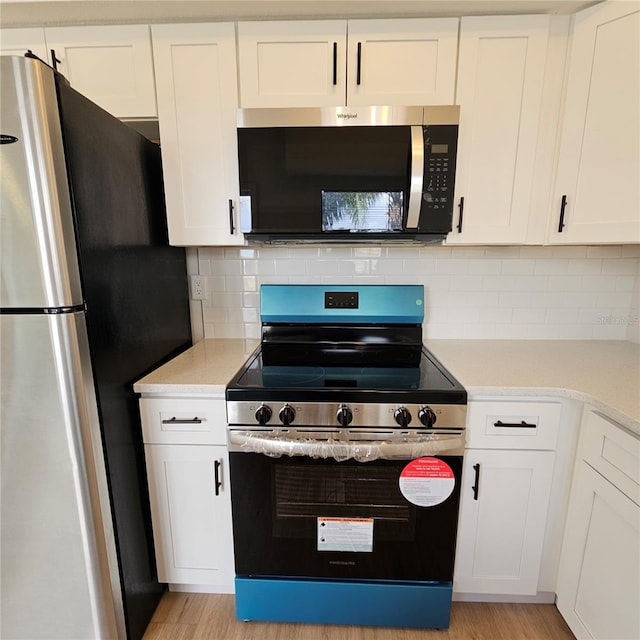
(197, 287)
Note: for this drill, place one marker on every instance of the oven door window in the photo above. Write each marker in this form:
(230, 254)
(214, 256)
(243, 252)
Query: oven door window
(278, 504)
(304, 493)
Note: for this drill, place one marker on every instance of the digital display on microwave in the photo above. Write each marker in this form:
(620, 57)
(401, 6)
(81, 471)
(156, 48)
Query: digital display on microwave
(360, 211)
(439, 148)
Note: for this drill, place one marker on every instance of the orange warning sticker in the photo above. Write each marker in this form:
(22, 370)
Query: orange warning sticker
(427, 482)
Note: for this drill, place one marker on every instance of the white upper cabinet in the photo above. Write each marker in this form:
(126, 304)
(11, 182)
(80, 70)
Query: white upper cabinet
(195, 68)
(597, 185)
(356, 62)
(292, 64)
(16, 42)
(112, 65)
(402, 62)
(501, 75)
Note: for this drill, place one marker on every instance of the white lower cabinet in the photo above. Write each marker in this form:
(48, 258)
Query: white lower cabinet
(502, 521)
(599, 578)
(189, 492)
(506, 490)
(191, 512)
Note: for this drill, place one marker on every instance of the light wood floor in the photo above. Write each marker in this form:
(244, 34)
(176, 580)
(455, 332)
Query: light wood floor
(190, 616)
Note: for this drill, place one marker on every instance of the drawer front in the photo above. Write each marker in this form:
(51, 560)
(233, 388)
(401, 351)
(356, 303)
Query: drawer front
(513, 425)
(183, 421)
(611, 451)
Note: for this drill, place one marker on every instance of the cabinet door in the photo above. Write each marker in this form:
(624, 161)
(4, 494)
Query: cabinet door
(500, 86)
(599, 578)
(191, 514)
(292, 64)
(195, 68)
(402, 62)
(111, 65)
(599, 158)
(15, 42)
(502, 522)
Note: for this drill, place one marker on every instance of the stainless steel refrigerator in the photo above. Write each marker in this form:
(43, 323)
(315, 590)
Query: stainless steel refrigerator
(92, 297)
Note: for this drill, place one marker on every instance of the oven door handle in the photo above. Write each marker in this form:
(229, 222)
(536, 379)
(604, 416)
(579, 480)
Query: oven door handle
(275, 446)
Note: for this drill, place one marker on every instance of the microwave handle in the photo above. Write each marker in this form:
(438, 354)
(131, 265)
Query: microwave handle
(417, 177)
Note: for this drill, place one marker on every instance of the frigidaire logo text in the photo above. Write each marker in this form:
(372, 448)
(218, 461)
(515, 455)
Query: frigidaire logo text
(347, 116)
(346, 563)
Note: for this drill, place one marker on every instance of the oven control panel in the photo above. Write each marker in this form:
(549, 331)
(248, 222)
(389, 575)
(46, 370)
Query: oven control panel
(352, 415)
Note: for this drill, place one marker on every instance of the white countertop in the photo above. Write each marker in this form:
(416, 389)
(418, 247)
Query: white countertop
(606, 374)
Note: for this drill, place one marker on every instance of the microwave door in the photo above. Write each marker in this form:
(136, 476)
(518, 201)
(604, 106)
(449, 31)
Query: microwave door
(417, 177)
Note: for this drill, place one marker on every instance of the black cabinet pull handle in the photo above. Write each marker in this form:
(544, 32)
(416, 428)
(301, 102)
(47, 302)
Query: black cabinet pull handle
(359, 63)
(563, 206)
(54, 59)
(476, 484)
(232, 228)
(335, 63)
(216, 476)
(461, 207)
(175, 420)
(520, 425)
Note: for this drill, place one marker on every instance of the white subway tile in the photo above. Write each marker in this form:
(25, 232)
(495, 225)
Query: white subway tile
(565, 283)
(615, 299)
(215, 284)
(322, 267)
(452, 267)
(290, 267)
(598, 283)
(579, 251)
(613, 251)
(465, 283)
(585, 267)
(551, 267)
(496, 316)
(523, 267)
(485, 267)
(525, 316)
(562, 316)
(367, 252)
(387, 267)
(251, 300)
(437, 283)
(226, 267)
(620, 267)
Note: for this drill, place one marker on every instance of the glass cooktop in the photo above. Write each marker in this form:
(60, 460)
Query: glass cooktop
(258, 381)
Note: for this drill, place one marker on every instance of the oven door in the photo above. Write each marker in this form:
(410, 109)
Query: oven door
(312, 517)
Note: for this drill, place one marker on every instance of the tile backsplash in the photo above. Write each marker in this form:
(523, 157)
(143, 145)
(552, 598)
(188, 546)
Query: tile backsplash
(528, 292)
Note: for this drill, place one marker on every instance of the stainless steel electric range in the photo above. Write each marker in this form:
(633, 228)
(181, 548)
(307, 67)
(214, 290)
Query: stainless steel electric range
(346, 439)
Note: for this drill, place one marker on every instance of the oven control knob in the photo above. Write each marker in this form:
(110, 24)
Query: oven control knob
(402, 416)
(344, 415)
(427, 416)
(287, 415)
(263, 414)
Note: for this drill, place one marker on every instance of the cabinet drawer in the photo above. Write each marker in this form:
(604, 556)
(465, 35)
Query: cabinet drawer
(513, 425)
(183, 421)
(612, 452)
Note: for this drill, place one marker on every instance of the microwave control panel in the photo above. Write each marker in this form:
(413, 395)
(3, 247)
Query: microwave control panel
(440, 143)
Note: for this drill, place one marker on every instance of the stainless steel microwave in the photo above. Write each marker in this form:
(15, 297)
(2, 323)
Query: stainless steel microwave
(344, 174)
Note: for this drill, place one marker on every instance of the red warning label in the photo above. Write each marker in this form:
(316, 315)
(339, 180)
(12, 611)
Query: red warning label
(427, 482)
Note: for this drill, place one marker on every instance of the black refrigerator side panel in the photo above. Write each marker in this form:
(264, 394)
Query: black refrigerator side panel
(135, 289)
